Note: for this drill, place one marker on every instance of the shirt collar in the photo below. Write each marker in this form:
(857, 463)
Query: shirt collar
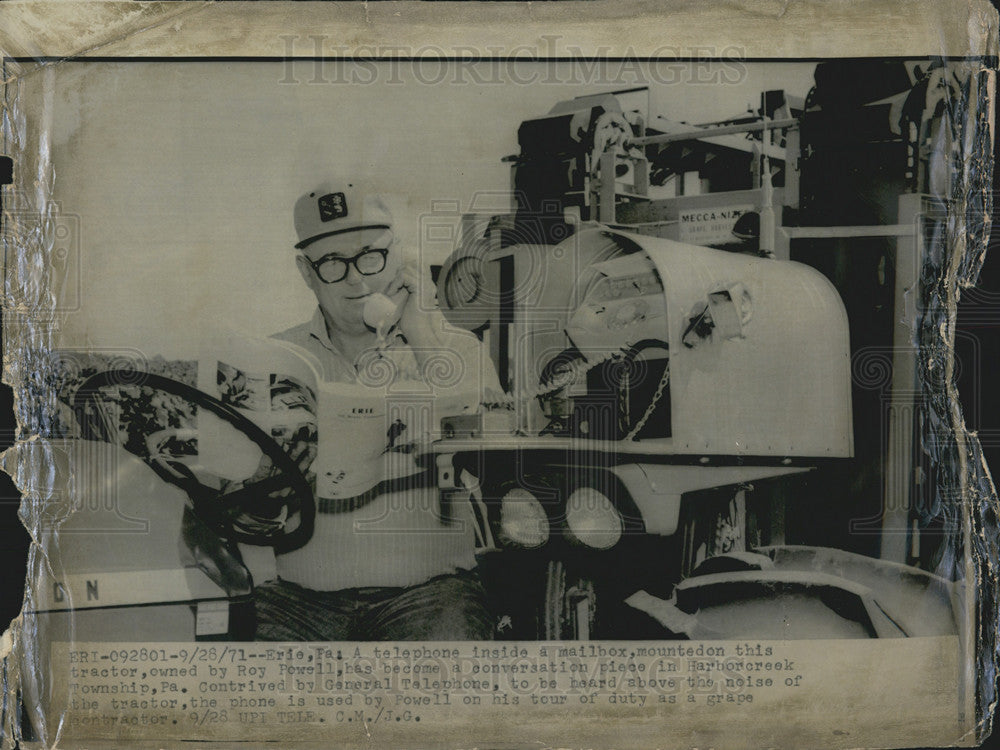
(317, 329)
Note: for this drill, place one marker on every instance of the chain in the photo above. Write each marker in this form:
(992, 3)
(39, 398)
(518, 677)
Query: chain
(623, 401)
(652, 404)
(575, 370)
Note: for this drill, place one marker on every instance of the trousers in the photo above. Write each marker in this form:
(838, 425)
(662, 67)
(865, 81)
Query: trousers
(449, 607)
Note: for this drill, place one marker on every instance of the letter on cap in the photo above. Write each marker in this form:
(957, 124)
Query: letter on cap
(332, 206)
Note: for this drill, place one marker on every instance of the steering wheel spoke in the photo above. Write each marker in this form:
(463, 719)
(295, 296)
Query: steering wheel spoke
(248, 514)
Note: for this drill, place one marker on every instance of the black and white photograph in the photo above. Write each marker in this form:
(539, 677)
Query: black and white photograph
(419, 379)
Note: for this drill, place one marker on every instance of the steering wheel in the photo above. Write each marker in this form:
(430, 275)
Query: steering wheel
(213, 507)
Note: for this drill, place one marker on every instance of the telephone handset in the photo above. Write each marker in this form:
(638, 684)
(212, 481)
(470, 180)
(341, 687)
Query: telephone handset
(381, 312)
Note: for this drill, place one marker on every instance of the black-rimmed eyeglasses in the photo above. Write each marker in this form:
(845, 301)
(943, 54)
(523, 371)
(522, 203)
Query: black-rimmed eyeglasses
(332, 268)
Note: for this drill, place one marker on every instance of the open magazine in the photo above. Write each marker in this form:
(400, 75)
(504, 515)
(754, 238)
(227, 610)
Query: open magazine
(359, 433)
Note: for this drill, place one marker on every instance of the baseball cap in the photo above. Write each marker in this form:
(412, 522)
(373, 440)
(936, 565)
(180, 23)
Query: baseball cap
(337, 208)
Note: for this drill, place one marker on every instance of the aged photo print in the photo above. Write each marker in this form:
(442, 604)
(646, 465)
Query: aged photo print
(514, 394)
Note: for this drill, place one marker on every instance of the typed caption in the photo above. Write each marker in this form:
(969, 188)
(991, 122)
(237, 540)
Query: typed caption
(278, 691)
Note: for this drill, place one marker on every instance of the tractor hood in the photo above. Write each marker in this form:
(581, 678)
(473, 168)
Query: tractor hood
(112, 533)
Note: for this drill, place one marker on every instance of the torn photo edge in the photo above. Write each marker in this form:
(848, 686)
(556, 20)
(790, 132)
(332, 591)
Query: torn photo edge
(41, 36)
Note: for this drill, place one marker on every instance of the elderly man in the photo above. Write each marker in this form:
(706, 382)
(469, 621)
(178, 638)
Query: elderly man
(390, 566)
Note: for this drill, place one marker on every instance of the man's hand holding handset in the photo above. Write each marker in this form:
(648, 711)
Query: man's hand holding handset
(399, 304)
(425, 328)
